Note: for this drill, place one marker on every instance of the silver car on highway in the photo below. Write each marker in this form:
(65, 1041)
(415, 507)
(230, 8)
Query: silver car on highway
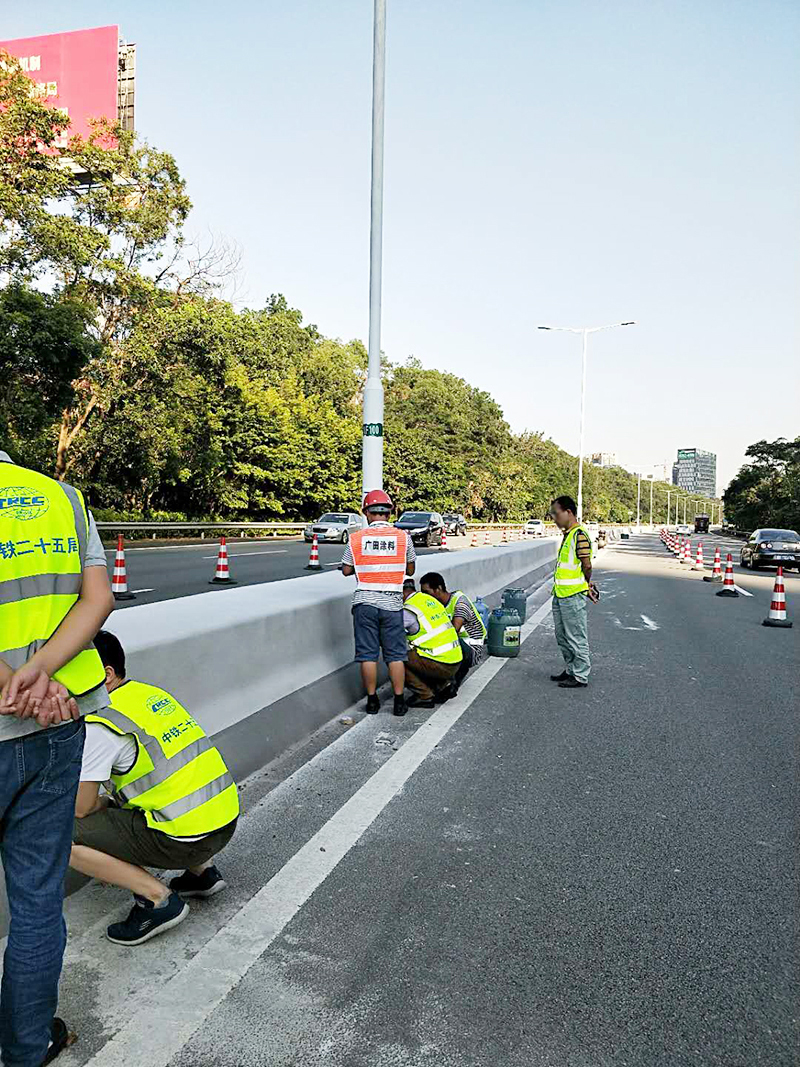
(334, 526)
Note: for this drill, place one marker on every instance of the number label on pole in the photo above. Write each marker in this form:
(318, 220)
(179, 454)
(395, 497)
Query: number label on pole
(373, 429)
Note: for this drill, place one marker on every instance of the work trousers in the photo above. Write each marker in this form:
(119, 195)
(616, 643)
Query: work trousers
(424, 676)
(572, 635)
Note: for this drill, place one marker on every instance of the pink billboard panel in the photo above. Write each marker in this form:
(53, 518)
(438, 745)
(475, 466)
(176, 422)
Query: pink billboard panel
(74, 71)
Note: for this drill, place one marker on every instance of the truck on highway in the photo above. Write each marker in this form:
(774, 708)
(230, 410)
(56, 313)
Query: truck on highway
(701, 524)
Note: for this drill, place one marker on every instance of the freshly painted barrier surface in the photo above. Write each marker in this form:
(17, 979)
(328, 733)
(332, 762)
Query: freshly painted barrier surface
(246, 661)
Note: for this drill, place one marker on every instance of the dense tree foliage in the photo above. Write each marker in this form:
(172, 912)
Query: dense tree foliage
(766, 491)
(124, 370)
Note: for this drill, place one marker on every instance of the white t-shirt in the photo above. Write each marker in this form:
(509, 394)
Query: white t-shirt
(106, 752)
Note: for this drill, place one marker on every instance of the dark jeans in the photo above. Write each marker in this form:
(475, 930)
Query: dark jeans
(39, 777)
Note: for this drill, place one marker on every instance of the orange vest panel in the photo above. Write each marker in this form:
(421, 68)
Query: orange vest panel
(379, 556)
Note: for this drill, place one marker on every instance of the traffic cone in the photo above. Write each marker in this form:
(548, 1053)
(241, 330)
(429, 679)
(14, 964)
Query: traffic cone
(777, 609)
(685, 552)
(443, 545)
(486, 538)
(728, 587)
(222, 574)
(313, 560)
(474, 542)
(678, 549)
(504, 538)
(698, 563)
(716, 574)
(119, 579)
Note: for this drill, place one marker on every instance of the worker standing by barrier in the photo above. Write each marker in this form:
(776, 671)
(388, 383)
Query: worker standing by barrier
(174, 803)
(434, 654)
(467, 623)
(380, 556)
(56, 595)
(572, 588)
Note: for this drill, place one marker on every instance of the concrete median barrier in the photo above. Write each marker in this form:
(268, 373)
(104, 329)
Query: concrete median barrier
(264, 665)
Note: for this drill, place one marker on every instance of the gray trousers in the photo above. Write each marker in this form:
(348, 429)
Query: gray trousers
(570, 618)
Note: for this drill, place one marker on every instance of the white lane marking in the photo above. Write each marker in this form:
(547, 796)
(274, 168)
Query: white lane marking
(261, 552)
(141, 590)
(332, 564)
(649, 623)
(174, 548)
(224, 960)
(744, 592)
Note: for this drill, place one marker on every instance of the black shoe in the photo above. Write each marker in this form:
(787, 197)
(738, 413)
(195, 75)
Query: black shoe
(447, 693)
(146, 920)
(207, 884)
(560, 677)
(373, 704)
(418, 702)
(400, 706)
(571, 683)
(60, 1038)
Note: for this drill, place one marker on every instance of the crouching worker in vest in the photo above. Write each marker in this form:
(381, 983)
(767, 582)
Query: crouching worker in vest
(173, 802)
(434, 652)
(466, 622)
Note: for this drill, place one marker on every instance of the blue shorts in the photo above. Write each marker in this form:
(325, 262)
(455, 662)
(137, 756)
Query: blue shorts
(378, 630)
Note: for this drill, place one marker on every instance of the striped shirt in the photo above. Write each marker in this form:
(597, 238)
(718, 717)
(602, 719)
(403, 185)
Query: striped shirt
(472, 623)
(379, 598)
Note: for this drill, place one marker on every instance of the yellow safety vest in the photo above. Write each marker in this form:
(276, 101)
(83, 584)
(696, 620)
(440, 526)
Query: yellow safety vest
(436, 638)
(451, 609)
(179, 779)
(44, 530)
(569, 578)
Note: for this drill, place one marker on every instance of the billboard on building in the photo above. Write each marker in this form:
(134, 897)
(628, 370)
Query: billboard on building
(85, 73)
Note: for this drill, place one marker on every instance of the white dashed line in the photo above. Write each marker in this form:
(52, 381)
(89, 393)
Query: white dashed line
(649, 623)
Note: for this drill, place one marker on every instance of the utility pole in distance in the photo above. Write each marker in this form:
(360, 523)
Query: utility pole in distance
(372, 439)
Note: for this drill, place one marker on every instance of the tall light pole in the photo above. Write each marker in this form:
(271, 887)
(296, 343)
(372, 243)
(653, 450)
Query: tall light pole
(669, 494)
(639, 500)
(584, 331)
(372, 434)
(651, 499)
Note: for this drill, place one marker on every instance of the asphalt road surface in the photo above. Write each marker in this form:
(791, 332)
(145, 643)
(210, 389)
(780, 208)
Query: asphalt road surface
(528, 877)
(166, 572)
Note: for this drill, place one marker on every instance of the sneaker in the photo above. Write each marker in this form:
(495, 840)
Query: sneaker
(146, 920)
(373, 704)
(400, 707)
(571, 683)
(207, 884)
(560, 677)
(60, 1038)
(418, 702)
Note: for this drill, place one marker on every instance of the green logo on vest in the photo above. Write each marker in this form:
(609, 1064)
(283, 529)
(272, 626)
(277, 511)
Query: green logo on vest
(163, 705)
(19, 502)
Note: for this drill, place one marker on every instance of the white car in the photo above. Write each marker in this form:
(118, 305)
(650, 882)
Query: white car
(535, 527)
(683, 528)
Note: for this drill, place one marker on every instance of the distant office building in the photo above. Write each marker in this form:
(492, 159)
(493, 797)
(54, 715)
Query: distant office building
(696, 471)
(674, 473)
(604, 459)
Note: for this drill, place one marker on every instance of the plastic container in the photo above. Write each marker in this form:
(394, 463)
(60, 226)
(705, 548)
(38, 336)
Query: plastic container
(482, 610)
(504, 633)
(515, 600)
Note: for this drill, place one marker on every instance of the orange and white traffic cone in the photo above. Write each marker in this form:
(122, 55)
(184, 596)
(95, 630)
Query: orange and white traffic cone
(716, 574)
(686, 552)
(443, 544)
(486, 538)
(474, 541)
(313, 560)
(728, 586)
(698, 562)
(678, 549)
(504, 538)
(222, 575)
(777, 609)
(119, 579)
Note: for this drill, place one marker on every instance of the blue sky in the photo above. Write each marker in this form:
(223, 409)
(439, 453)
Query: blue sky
(567, 162)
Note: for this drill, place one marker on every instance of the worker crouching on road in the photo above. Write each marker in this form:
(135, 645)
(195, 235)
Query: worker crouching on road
(466, 622)
(380, 556)
(173, 802)
(572, 587)
(434, 653)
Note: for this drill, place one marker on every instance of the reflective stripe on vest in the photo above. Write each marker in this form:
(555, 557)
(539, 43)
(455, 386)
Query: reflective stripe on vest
(437, 638)
(379, 557)
(569, 578)
(451, 610)
(179, 778)
(44, 529)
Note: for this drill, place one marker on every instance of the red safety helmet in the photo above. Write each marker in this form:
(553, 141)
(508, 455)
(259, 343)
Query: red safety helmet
(377, 500)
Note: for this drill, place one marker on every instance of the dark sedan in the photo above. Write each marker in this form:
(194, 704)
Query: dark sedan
(773, 548)
(425, 527)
